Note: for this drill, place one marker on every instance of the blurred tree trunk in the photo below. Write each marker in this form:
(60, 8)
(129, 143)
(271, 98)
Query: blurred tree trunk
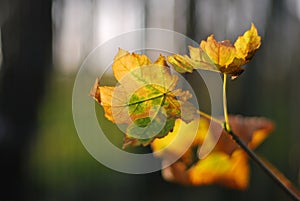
(27, 60)
(191, 20)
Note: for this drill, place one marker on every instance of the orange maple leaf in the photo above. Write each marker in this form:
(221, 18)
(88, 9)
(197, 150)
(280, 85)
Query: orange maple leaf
(220, 56)
(227, 164)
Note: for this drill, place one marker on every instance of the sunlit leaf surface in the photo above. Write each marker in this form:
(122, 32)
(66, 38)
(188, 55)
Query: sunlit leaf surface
(146, 98)
(227, 164)
(222, 56)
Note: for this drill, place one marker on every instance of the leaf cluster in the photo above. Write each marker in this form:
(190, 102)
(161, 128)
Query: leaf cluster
(148, 100)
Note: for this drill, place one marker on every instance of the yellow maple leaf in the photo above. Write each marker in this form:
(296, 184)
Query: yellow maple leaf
(124, 62)
(220, 56)
(146, 97)
(221, 53)
(227, 164)
(247, 44)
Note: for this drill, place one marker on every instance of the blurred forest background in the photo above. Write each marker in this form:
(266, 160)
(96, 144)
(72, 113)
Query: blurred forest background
(43, 44)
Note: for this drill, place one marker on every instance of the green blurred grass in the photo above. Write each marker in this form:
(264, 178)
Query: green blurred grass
(59, 162)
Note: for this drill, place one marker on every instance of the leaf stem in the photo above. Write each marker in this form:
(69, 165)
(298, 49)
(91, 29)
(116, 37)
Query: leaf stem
(275, 174)
(210, 117)
(227, 126)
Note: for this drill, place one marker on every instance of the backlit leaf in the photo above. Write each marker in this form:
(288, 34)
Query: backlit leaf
(145, 98)
(221, 53)
(247, 44)
(125, 62)
(220, 56)
(227, 164)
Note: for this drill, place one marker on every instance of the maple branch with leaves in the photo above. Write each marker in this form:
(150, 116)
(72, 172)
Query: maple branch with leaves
(148, 100)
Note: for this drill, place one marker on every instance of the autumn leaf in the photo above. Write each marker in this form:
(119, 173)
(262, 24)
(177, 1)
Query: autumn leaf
(198, 60)
(124, 62)
(221, 53)
(226, 165)
(220, 56)
(181, 64)
(146, 98)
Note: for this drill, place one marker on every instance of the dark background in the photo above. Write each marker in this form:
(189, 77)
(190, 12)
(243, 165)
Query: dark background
(43, 43)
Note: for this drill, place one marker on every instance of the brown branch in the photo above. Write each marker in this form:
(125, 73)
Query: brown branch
(268, 168)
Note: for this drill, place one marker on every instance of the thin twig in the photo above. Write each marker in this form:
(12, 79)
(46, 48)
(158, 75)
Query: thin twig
(275, 174)
(227, 126)
(210, 117)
